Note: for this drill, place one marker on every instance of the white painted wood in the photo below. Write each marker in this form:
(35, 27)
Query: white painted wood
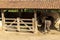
(3, 21)
(35, 17)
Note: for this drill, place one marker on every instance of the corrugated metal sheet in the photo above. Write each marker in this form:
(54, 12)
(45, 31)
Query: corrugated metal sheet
(40, 4)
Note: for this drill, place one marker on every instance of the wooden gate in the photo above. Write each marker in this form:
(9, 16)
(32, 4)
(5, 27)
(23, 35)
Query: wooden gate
(11, 23)
(19, 24)
(27, 24)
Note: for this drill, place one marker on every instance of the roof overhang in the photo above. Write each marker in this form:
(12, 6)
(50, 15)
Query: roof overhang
(31, 4)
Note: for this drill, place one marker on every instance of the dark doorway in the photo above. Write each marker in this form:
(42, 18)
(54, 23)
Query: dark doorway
(27, 15)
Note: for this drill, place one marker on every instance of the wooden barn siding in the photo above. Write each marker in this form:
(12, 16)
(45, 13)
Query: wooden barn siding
(55, 4)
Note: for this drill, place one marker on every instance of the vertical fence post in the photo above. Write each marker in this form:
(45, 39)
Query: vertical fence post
(33, 24)
(3, 21)
(35, 19)
(18, 24)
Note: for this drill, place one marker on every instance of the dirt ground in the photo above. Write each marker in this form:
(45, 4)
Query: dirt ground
(6, 35)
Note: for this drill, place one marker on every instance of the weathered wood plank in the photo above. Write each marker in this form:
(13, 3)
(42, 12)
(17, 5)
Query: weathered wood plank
(33, 24)
(26, 23)
(26, 19)
(10, 18)
(3, 21)
(26, 26)
(11, 25)
(11, 22)
(35, 16)
(18, 24)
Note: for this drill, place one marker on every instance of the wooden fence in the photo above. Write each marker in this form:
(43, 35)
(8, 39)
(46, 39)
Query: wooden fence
(19, 24)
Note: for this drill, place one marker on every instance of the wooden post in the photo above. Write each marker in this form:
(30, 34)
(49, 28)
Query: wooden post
(35, 16)
(3, 21)
(33, 24)
(18, 24)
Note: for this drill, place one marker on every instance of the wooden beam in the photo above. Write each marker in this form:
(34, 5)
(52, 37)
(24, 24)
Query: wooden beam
(18, 23)
(33, 24)
(3, 21)
(35, 17)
